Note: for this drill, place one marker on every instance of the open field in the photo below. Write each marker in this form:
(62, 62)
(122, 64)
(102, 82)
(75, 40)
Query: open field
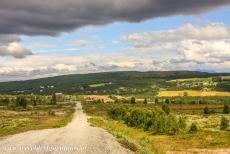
(15, 119)
(191, 80)
(97, 85)
(209, 135)
(192, 93)
(76, 137)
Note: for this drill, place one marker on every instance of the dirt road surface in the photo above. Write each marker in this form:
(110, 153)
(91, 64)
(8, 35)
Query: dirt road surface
(76, 138)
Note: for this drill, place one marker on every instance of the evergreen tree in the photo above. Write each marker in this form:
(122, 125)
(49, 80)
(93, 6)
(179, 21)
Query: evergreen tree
(226, 109)
(145, 101)
(133, 100)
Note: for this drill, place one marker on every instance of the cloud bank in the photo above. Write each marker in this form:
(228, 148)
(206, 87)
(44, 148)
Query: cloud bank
(38, 17)
(188, 47)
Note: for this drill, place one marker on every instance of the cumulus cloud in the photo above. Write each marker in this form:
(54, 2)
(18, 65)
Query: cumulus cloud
(39, 17)
(10, 46)
(14, 49)
(208, 43)
(188, 47)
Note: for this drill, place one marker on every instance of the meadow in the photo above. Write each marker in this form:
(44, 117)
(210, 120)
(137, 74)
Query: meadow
(32, 114)
(136, 128)
(192, 93)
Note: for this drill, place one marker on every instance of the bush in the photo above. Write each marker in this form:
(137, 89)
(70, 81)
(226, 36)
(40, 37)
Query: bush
(145, 101)
(166, 108)
(167, 101)
(116, 113)
(21, 101)
(224, 123)
(155, 121)
(206, 110)
(193, 128)
(133, 100)
(156, 101)
(226, 109)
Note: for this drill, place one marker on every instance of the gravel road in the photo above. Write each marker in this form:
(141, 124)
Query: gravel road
(76, 138)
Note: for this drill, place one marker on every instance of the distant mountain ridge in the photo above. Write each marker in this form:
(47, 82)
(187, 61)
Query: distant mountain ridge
(79, 83)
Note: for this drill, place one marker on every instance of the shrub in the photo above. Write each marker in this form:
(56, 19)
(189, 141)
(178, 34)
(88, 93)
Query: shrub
(206, 110)
(224, 123)
(133, 100)
(116, 113)
(155, 121)
(193, 128)
(21, 101)
(226, 109)
(166, 108)
(167, 101)
(145, 101)
(156, 101)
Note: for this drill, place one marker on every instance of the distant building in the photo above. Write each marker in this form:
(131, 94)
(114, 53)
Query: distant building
(58, 97)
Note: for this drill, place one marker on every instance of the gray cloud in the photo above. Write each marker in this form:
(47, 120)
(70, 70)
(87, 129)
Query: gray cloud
(14, 49)
(9, 46)
(38, 17)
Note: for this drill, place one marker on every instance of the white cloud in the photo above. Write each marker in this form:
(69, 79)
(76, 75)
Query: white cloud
(209, 43)
(64, 67)
(41, 45)
(81, 43)
(185, 48)
(14, 49)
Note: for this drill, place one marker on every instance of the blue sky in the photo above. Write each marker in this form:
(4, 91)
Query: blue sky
(105, 35)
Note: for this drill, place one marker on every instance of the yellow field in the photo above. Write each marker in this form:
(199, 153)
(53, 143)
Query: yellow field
(192, 93)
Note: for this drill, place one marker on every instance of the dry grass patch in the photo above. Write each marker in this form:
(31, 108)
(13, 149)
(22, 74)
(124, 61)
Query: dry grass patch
(192, 93)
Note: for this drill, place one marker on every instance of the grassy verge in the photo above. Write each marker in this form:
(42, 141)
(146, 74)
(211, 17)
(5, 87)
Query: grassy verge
(34, 118)
(208, 136)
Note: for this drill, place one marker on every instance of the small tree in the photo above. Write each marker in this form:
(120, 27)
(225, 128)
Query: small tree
(167, 101)
(193, 128)
(133, 100)
(166, 108)
(156, 101)
(145, 101)
(21, 101)
(206, 110)
(224, 123)
(226, 109)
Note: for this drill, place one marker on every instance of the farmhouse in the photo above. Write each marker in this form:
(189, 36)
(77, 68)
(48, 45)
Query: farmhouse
(58, 97)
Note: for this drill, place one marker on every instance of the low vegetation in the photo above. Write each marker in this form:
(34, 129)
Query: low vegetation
(23, 113)
(149, 128)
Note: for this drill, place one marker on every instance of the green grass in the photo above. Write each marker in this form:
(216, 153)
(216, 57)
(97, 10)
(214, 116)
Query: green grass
(208, 136)
(34, 118)
(97, 85)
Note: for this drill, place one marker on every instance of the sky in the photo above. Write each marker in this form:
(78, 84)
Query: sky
(41, 39)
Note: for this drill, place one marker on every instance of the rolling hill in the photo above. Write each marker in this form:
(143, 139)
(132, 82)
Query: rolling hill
(127, 82)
